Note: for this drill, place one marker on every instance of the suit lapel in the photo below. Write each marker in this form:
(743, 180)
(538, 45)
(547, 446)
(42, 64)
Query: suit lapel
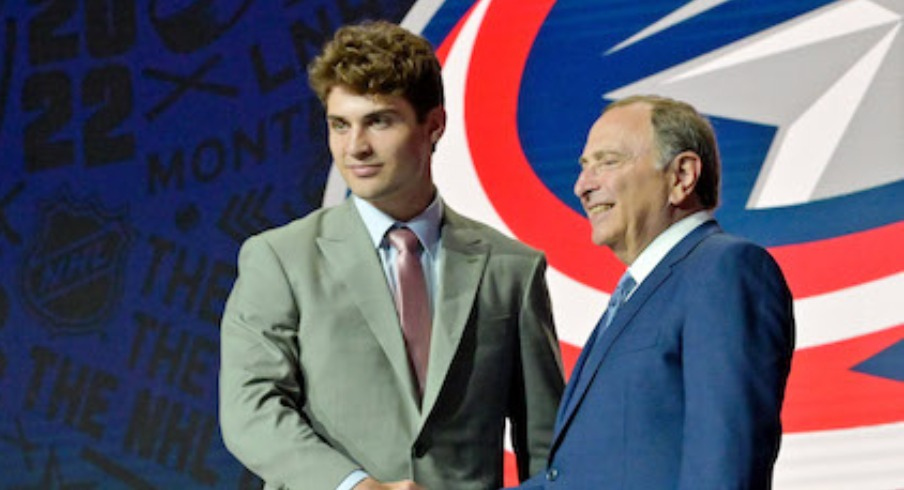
(349, 251)
(601, 342)
(566, 405)
(600, 348)
(464, 257)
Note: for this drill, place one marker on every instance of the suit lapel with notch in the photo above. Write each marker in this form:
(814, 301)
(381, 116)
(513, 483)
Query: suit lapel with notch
(464, 258)
(349, 251)
(602, 346)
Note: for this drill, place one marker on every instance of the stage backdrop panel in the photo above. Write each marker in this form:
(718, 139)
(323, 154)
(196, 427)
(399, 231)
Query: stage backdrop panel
(142, 141)
(807, 101)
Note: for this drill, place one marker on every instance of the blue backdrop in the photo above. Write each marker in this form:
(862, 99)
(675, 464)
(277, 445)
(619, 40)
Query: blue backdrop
(141, 142)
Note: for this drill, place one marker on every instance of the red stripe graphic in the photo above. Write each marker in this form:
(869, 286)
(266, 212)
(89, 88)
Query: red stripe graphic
(824, 393)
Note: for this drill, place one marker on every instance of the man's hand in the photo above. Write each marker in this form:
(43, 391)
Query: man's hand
(371, 484)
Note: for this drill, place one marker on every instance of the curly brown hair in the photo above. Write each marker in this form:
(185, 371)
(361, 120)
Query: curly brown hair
(379, 58)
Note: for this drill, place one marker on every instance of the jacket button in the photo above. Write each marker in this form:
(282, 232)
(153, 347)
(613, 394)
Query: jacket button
(552, 474)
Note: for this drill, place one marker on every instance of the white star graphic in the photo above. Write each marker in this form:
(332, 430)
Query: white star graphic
(831, 81)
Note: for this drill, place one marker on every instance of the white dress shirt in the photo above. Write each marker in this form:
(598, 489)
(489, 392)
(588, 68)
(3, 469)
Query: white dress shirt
(651, 256)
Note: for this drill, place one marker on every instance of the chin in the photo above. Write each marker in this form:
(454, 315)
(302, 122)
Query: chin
(600, 242)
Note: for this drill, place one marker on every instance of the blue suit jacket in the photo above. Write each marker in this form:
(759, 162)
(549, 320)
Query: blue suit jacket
(684, 390)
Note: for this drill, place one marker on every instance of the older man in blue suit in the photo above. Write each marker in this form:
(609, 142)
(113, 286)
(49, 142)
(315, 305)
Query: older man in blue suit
(681, 384)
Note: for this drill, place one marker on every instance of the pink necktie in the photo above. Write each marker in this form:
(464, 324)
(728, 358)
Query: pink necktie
(412, 302)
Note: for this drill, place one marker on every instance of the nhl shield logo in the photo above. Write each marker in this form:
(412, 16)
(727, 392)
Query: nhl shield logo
(72, 274)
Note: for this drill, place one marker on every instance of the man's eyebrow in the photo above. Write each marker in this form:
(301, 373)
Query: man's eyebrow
(389, 111)
(599, 155)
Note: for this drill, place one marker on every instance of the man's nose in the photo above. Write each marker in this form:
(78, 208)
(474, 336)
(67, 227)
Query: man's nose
(584, 184)
(358, 144)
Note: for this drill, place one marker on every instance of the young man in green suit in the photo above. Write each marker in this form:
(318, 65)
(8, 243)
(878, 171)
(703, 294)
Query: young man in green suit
(318, 389)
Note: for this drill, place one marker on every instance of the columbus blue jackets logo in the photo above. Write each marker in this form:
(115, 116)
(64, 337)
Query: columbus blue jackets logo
(72, 274)
(806, 99)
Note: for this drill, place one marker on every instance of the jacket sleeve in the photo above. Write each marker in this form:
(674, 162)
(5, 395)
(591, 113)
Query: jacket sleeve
(261, 384)
(737, 344)
(540, 381)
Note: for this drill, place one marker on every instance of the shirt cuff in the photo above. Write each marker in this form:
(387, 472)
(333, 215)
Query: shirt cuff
(352, 479)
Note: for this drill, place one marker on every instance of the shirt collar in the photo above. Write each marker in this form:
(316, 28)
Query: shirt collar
(663, 244)
(425, 225)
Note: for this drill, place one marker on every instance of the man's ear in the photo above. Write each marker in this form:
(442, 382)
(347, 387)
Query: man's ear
(436, 123)
(684, 172)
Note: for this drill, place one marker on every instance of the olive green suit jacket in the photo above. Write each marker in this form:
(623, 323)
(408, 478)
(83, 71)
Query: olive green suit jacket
(314, 378)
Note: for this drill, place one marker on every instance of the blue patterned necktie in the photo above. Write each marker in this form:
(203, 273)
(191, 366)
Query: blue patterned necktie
(622, 290)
